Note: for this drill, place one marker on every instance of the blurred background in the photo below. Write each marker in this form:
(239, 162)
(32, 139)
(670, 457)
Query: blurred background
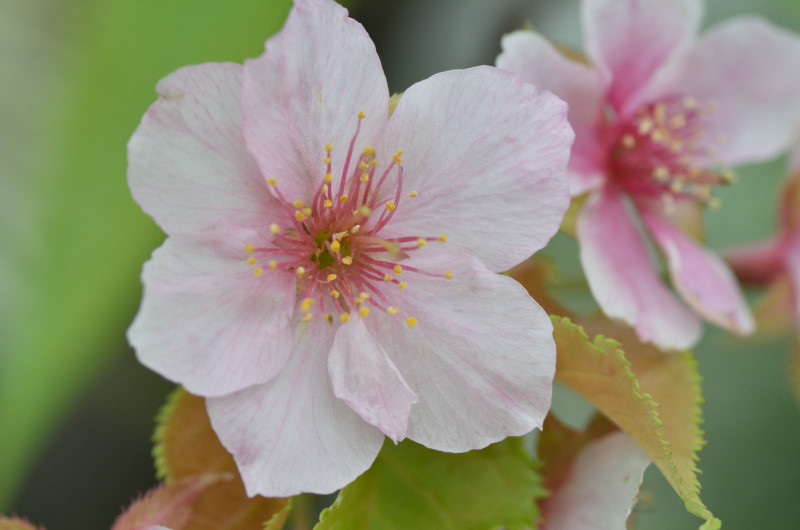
(76, 409)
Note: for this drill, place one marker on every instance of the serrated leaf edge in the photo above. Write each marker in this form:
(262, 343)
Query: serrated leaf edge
(692, 502)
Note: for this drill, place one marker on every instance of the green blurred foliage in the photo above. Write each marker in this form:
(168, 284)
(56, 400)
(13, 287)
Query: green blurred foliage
(91, 237)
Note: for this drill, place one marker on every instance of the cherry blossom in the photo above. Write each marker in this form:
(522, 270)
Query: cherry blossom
(660, 118)
(329, 275)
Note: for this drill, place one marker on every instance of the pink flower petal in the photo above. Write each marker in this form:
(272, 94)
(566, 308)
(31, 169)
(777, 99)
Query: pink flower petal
(481, 357)
(292, 434)
(630, 40)
(623, 279)
(537, 62)
(206, 322)
(793, 268)
(306, 91)
(487, 155)
(187, 164)
(749, 69)
(602, 489)
(703, 280)
(365, 379)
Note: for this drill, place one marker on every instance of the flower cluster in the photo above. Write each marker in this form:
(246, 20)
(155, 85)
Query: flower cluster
(330, 275)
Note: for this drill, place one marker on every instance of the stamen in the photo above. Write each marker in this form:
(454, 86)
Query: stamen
(248, 247)
(258, 271)
(411, 322)
(274, 228)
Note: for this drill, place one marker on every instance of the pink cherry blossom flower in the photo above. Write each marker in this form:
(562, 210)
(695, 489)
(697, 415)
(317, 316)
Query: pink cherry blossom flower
(601, 487)
(776, 260)
(329, 275)
(658, 118)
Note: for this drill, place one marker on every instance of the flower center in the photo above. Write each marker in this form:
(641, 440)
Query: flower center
(663, 151)
(333, 244)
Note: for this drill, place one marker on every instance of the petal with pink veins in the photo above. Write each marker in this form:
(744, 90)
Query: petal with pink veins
(187, 163)
(292, 434)
(480, 356)
(365, 379)
(483, 150)
(537, 62)
(207, 322)
(701, 277)
(623, 278)
(630, 40)
(602, 487)
(747, 69)
(306, 91)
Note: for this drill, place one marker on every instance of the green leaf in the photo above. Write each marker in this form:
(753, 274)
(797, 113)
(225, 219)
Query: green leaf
(82, 287)
(654, 397)
(410, 486)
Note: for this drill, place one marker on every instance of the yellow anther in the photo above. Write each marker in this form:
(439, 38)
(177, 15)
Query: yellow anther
(328, 148)
(390, 206)
(421, 243)
(364, 178)
(274, 228)
(331, 277)
(412, 193)
(335, 294)
(299, 216)
(355, 229)
(361, 115)
(397, 160)
(272, 181)
(448, 275)
(728, 176)
(258, 271)
(398, 269)
(392, 310)
(327, 178)
(328, 318)
(628, 141)
(347, 260)
(301, 270)
(306, 304)
(324, 189)
(306, 211)
(363, 166)
(272, 264)
(678, 121)
(344, 317)
(335, 246)
(364, 311)
(402, 285)
(364, 210)
(297, 203)
(676, 186)
(411, 322)
(398, 153)
(343, 198)
(443, 238)
(248, 247)
(307, 317)
(387, 278)
(657, 135)
(373, 162)
(661, 173)
(326, 160)
(328, 203)
(363, 296)
(645, 126)
(251, 260)
(369, 151)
